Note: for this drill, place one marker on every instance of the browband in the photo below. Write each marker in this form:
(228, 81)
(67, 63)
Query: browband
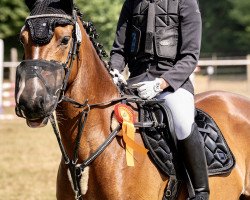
(50, 15)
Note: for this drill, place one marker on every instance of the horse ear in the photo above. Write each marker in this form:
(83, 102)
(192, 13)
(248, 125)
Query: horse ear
(68, 6)
(71, 4)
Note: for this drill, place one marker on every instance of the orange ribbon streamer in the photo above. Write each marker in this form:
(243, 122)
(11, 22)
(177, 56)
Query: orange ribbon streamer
(128, 130)
(125, 115)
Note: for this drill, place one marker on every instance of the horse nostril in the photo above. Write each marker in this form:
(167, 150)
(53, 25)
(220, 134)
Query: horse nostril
(19, 111)
(40, 101)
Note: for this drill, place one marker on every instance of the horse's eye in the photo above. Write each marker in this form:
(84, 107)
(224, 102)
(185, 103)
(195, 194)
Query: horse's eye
(65, 40)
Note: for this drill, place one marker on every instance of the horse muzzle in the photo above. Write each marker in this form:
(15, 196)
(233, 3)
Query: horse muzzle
(38, 90)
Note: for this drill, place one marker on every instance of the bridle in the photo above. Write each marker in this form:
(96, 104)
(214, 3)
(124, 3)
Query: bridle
(76, 170)
(26, 65)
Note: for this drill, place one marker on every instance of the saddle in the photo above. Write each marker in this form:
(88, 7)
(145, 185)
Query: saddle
(157, 131)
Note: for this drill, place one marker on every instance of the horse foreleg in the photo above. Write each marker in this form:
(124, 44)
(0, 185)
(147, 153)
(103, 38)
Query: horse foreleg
(63, 189)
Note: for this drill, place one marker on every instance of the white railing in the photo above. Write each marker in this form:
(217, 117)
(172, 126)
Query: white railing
(11, 64)
(1, 71)
(224, 62)
(208, 63)
(239, 62)
(7, 89)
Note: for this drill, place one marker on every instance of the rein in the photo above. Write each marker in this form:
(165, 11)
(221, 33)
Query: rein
(76, 170)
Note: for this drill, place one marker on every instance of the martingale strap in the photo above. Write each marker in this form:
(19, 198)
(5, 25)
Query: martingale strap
(75, 169)
(44, 24)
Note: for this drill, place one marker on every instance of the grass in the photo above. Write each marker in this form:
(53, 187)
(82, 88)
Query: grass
(28, 162)
(30, 157)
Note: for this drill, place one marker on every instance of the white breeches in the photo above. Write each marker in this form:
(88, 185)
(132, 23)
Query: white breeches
(181, 104)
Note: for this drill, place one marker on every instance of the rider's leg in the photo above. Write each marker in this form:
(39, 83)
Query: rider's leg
(190, 143)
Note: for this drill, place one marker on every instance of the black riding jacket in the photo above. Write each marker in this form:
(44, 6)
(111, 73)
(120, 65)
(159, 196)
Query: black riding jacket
(171, 53)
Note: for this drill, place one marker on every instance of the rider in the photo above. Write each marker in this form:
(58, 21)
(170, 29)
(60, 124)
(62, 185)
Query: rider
(160, 40)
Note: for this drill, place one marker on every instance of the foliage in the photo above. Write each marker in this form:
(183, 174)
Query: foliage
(225, 27)
(13, 14)
(217, 26)
(226, 23)
(104, 14)
(240, 13)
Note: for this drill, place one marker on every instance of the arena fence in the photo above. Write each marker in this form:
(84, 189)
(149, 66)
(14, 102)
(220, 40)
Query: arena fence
(7, 86)
(1, 71)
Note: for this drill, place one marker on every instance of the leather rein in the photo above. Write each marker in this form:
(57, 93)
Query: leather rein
(74, 167)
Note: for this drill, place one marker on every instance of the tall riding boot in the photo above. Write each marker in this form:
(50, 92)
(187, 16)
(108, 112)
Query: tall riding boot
(193, 154)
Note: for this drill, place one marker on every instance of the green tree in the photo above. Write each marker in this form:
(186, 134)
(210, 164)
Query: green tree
(104, 14)
(240, 13)
(13, 14)
(216, 26)
(226, 23)
(225, 28)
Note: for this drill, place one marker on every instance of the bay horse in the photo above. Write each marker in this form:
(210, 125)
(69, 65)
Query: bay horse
(66, 74)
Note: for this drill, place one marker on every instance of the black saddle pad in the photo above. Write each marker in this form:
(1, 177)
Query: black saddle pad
(160, 140)
(219, 157)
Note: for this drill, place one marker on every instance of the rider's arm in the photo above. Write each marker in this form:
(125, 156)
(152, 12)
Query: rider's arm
(189, 39)
(118, 52)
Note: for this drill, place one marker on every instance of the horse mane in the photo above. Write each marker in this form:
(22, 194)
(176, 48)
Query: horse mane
(93, 36)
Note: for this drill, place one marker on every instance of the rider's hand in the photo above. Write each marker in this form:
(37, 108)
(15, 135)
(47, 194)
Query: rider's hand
(149, 89)
(117, 77)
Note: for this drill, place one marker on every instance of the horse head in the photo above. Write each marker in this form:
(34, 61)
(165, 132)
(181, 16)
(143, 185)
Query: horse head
(50, 38)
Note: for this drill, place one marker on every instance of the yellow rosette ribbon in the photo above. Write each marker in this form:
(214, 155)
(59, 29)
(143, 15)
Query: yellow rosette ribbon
(125, 115)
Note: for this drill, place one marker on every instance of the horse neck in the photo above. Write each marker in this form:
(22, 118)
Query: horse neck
(93, 77)
(93, 82)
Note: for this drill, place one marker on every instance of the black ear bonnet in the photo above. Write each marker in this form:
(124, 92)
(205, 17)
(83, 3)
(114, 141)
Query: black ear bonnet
(45, 15)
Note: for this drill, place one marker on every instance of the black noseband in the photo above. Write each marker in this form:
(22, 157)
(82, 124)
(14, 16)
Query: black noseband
(34, 68)
(49, 74)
